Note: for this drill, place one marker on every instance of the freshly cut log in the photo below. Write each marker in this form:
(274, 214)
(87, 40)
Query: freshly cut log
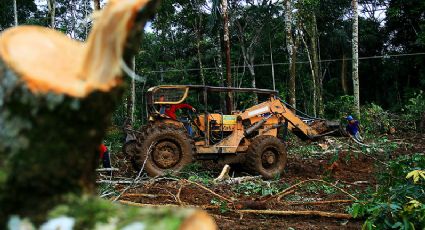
(57, 96)
(56, 100)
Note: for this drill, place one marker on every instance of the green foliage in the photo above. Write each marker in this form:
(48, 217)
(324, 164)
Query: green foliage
(318, 188)
(374, 119)
(86, 210)
(340, 107)
(415, 108)
(114, 140)
(258, 188)
(305, 150)
(94, 213)
(195, 172)
(399, 201)
(221, 203)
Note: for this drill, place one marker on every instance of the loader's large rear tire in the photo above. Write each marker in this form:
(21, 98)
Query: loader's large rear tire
(267, 156)
(164, 148)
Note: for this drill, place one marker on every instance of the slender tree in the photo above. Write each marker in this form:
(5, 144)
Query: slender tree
(52, 11)
(96, 4)
(15, 11)
(292, 52)
(226, 38)
(356, 58)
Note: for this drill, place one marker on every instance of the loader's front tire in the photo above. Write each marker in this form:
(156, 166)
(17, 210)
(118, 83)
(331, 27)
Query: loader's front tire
(266, 156)
(164, 148)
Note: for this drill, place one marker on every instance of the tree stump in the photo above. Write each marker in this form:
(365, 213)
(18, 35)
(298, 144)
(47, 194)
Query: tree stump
(57, 96)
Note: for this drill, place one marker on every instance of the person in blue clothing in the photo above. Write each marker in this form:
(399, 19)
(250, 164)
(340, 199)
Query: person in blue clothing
(353, 128)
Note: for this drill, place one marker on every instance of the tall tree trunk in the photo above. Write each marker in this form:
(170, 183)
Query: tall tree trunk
(201, 68)
(317, 74)
(86, 27)
(133, 91)
(15, 12)
(253, 83)
(272, 63)
(198, 48)
(290, 46)
(52, 11)
(229, 98)
(96, 4)
(344, 75)
(313, 76)
(356, 58)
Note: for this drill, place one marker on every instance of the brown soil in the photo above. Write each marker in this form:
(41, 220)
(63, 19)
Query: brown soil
(352, 172)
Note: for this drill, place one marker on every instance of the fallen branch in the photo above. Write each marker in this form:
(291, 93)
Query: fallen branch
(119, 182)
(126, 202)
(240, 180)
(319, 202)
(178, 194)
(297, 213)
(224, 175)
(210, 191)
(106, 169)
(283, 193)
(145, 195)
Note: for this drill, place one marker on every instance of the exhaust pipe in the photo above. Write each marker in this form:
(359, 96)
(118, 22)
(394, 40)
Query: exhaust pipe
(256, 126)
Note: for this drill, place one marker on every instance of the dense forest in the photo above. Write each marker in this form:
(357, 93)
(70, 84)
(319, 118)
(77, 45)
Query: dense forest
(324, 58)
(184, 45)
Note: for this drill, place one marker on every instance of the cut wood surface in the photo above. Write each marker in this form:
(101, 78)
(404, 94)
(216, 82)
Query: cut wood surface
(57, 96)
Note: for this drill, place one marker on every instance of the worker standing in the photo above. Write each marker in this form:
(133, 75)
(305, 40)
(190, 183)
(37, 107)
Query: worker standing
(104, 155)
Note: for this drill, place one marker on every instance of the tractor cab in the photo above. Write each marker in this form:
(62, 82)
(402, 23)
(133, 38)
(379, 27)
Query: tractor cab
(203, 125)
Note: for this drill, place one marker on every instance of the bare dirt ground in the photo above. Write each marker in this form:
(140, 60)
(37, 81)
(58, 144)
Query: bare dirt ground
(352, 172)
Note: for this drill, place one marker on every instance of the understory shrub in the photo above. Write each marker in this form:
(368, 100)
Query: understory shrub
(399, 201)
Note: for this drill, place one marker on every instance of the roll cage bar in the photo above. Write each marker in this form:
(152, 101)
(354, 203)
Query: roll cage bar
(205, 89)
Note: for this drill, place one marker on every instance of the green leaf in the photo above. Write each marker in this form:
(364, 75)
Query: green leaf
(416, 175)
(356, 210)
(397, 225)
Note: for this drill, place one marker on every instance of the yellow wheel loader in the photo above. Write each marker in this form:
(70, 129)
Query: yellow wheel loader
(253, 137)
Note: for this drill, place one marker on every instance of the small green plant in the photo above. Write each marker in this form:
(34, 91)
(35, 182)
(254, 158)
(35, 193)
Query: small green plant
(114, 139)
(415, 108)
(318, 188)
(258, 188)
(221, 203)
(195, 172)
(398, 202)
(374, 119)
(306, 150)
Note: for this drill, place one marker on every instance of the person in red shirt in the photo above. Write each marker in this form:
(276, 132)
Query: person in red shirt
(171, 110)
(104, 155)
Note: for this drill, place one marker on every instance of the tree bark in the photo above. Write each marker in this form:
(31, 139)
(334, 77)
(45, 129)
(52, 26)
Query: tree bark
(198, 48)
(344, 75)
(52, 11)
(272, 63)
(317, 74)
(290, 46)
(15, 12)
(52, 146)
(313, 76)
(49, 139)
(133, 91)
(356, 83)
(96, 4)
(226, 38)
(248, 54)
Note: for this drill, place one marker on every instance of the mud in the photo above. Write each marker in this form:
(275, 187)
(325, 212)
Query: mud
(351, 171)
